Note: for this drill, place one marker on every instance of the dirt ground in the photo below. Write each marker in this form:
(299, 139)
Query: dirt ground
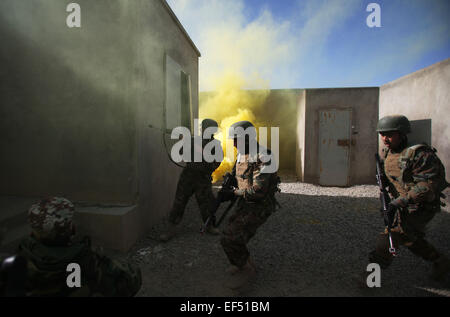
(312, 246)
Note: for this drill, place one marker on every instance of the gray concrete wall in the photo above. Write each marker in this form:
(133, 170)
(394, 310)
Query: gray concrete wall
(76, 104)
(67, 115)
(158, 35)
(423, 95)
(364, 105)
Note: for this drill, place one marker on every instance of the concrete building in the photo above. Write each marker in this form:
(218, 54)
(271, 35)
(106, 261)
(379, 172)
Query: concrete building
(335, 152)
(328, 137)
(336, 139)
(85, 110)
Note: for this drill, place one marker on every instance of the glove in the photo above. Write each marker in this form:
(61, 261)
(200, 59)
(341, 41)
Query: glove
(394, 206)
(391, 212)
(398, 203)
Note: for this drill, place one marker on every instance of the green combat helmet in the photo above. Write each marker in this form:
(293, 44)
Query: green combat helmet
(51, 220)
(394, 123)
(208, 123)
(234, 132)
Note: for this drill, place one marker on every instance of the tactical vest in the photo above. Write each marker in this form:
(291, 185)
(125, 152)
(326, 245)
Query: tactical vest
(397, 167)
(244, 174)
(394, 173)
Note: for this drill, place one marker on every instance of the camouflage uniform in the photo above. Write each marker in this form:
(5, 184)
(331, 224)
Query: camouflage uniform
(415, 175)
(194, 179)
(51, 247)
(255, 204)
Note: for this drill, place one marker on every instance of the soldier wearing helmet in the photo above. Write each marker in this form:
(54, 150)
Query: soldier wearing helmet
(416, 178)
(256, 201)
(51, 221)
(195, 179)
(52, 246)
(393, 131)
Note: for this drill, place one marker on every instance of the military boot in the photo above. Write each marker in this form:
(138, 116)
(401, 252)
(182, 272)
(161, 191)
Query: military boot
(169, 234)
(240, 276)
(441, 268)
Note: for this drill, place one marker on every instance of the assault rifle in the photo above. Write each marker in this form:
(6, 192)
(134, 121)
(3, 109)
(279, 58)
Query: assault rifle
(385, 200)
(229, 182)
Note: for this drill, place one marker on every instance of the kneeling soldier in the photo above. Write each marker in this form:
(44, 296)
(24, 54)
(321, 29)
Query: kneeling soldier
(52, 246)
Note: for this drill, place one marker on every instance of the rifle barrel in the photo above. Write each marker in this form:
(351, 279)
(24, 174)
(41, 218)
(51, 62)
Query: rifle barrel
(385, 199)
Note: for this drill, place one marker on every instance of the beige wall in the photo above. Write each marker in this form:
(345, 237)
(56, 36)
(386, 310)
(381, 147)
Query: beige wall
(364, 105)
(424, 94)
(76, 104)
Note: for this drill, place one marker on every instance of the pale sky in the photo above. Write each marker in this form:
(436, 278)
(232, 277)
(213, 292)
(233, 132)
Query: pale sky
(315, 43)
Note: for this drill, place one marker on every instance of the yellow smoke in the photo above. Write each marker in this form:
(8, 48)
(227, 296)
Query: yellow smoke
(238, 56)
(228, 104)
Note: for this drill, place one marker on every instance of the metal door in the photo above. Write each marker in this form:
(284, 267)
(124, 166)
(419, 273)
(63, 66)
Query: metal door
(334, 146)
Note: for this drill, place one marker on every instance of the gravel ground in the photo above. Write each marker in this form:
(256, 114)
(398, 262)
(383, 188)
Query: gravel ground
(312, 246)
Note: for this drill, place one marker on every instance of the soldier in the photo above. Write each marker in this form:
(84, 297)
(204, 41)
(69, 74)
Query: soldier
(416, 179)
(256, 202)
(194, 179)
(52, 246)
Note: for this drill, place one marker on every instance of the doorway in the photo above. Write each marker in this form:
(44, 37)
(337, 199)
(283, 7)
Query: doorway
(334, 147)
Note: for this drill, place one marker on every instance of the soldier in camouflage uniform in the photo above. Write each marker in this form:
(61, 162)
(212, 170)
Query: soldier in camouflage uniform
(416, 179)
(52, 246)
(256, 202)
(195, 179)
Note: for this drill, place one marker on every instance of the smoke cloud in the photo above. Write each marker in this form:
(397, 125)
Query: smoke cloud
(238, 58)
